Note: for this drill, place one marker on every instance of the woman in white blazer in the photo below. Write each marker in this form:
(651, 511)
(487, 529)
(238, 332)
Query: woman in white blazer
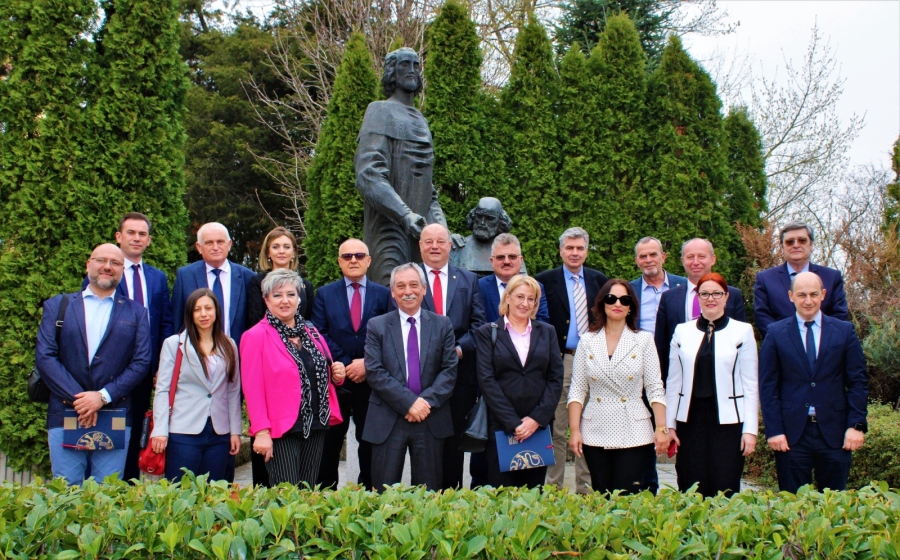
(614, 364)
(204, 428)
(712, 394)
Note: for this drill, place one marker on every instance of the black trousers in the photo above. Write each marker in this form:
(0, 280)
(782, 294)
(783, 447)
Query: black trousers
(140, 404)
(528, 478)
(618, 469)
(354, 401)
(710, 453)
(424, 454)
(812, 453)
(461, 402)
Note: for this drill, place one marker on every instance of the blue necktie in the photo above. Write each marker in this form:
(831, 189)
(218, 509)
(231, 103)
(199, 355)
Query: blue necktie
(810, 344)
(217, 290)
(413, 378)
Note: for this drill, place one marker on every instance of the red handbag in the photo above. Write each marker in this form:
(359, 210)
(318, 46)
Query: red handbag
(149, 461)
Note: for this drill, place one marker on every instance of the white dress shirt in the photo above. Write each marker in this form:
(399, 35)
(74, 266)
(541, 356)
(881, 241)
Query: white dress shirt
(689, 303)
(445, 280)
(404, 328)
(129, 280)
(225, 279)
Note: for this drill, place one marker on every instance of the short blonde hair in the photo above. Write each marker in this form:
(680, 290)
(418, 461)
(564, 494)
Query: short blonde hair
(516, 282)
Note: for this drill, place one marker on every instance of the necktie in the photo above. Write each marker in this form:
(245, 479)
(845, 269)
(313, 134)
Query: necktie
(438, 292)
(695, 308)
(581, 316)
(138, 285)
(502, 288)
(413, 379)
(810, 344)
(356, 307)
(217, 290)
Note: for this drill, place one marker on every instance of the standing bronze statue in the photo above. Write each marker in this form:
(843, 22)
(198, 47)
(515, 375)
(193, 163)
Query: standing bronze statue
(486, 221)
(394, 163)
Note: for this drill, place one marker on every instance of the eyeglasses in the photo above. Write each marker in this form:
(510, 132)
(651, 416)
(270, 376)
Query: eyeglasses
(520, 299)
(510, 257)
(438, 242)
(611, 299)
(714, 295)
(796, 241)
(350, 256)
(103, 262)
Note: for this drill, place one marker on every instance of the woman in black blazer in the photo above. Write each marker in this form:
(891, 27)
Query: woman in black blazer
(279, 250)
(520, 376)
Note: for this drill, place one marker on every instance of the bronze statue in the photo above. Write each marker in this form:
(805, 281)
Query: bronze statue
(394, 162)
(487, 221)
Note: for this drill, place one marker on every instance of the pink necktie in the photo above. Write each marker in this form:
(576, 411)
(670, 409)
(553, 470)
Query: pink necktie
(356, 307)
(695, 311)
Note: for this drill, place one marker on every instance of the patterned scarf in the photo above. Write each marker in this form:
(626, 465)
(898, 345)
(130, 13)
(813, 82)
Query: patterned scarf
(320, 373)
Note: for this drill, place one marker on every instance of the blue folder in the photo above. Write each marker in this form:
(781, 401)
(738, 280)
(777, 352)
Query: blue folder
(536, 451)
(107, 435)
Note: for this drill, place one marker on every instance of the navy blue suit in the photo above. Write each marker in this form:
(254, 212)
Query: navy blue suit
(465, 309)
(491, 294)
(671, 314)
(193, 276)
(837, 387)
(770, 295)
(331, 315)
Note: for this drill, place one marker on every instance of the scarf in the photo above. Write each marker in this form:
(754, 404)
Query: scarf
(320, 375)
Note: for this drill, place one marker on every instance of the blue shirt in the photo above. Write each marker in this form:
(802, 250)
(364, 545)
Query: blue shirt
(96, 318)
(817, 336)
(362, 292)
(572, 337)
(650, 296)
(792, 272)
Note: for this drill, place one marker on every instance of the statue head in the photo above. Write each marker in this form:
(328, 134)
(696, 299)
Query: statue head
(402, 70)
(488, 220)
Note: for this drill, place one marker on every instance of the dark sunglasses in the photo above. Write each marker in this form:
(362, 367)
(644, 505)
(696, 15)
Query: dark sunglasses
(796, 241)
(349, 256)
(610, 299)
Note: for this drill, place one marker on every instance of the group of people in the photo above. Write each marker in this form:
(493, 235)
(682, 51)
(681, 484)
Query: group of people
(618, 371)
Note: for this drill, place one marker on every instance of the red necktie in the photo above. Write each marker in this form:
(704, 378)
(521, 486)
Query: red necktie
(356, 307)
(438, 293)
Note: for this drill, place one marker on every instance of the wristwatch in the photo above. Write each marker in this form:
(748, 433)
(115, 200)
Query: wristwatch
(861, 427)
(103, 398)
(663, 429)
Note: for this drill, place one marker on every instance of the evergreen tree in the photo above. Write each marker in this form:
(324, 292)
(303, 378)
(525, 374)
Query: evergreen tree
(892, 194)
(531, 146)
(51, 209)
(688, 177)
(335, 209)
(455, 107)
(747, 168)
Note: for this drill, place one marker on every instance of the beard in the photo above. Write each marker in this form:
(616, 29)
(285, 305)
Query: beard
(94, 280)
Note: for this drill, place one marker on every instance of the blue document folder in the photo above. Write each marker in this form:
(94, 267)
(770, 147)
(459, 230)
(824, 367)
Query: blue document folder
(536, 451)
(107, 435)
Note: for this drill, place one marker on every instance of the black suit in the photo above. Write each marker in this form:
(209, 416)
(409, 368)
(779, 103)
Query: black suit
(671, 313)
(513, 391)
(465, 309)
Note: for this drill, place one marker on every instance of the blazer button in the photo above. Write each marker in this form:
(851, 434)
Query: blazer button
(593, 379)
(633, 356)
(598, 399)
(624, 399)
(812, 384)
(630, 378)
(208, 396)
(590, 356)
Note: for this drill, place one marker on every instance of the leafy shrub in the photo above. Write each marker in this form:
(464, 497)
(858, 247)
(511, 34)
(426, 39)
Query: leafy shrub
(883, 357)
(194, 519)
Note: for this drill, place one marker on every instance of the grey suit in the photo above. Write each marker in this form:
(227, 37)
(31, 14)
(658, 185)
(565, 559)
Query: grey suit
(196, 397)
(386, 427)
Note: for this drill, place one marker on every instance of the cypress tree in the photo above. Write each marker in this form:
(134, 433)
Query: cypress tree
(688, 177)
(746, 167)
(335, 209)
(892, 194)
(52, 216)
(531, 146)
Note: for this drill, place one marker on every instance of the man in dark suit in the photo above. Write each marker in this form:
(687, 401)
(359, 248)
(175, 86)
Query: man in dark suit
(770, 290)
(571, 291)
(227, 280)
(341, 311)
(812, 390)
(507, 260)
(681, 304)
(653, 281)
(410, 361)
(454, 293)
(103, 353)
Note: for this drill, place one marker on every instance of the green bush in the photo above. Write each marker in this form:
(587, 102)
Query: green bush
(876, 460)
(193, 519)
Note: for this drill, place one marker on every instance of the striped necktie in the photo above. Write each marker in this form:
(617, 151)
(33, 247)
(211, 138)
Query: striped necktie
(581, 314)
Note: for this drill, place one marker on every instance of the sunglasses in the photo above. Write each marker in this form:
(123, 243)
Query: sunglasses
(796, 241)
(511, 257)
(610, 299)
(350, 256)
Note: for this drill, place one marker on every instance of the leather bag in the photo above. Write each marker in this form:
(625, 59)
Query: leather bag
(474, 438)
(149, 461)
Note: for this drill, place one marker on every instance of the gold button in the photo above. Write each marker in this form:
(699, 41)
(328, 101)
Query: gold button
(590, 356)
(624, 399)
(593, 379)
(630, 377)
(598, 399)
(633, 356)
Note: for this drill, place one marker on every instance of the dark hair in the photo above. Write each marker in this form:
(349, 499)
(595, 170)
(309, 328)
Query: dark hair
(264, 261)
(713, 277)
(135, 216)
(599, 311)
(388, 82)
(794, 225)
(222, 345)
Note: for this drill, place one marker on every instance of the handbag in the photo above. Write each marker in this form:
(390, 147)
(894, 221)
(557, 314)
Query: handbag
(37, 388)
(333, 404)
(149, 461)
(475, 436)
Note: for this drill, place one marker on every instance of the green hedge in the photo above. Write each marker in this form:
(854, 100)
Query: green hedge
(878, 459)
(194, 519)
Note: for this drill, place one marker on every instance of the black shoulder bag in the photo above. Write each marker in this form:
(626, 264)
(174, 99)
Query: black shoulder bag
(37, 389)
(474, 438)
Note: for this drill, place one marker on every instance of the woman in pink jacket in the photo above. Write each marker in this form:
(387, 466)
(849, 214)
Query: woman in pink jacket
(287, 384)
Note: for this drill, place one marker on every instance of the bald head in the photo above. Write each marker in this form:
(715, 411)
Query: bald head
(434, 244)
(104, 269)
(807, 294)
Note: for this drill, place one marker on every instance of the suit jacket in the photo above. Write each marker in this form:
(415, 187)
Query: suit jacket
(196, 397)
(671, 314)
(736, 375)
(256, 305)
(511, 390)
(491, 295)
(386, 372)
(611, 390)
(674, 281)
(465, 309)
(558, 299)
(331, 315)
(771, 302)
(193, 276)
(121, 361)
(837, 386)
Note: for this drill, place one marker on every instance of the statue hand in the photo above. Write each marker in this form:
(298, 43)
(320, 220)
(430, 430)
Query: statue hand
(414, 224)
(457, 240)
